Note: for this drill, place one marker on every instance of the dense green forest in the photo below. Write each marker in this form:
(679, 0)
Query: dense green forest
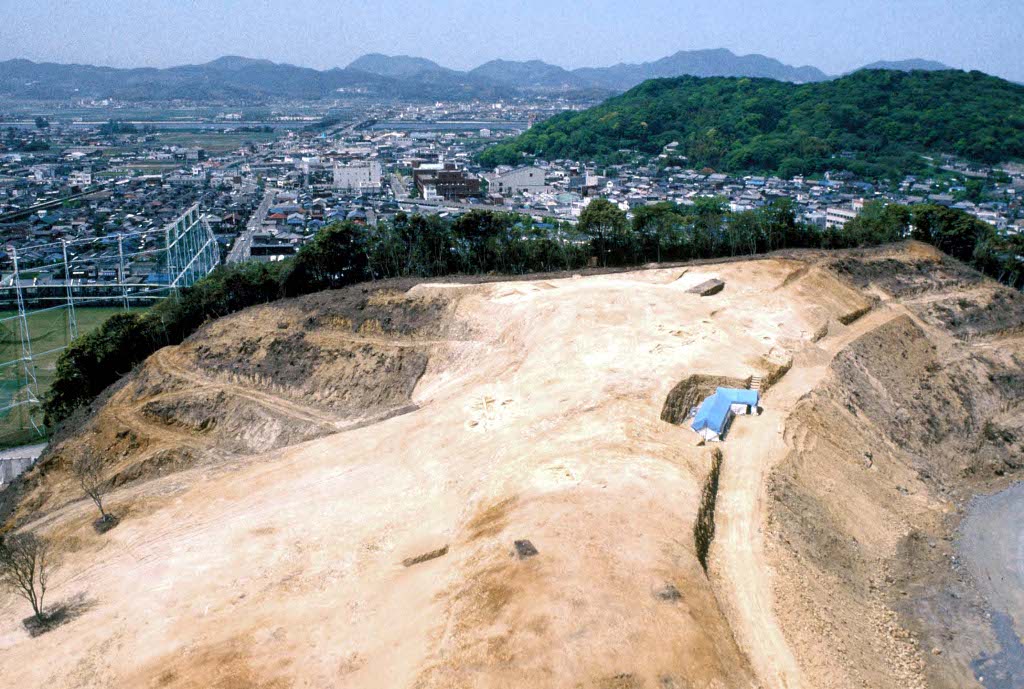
(873, 123)
(483, 243)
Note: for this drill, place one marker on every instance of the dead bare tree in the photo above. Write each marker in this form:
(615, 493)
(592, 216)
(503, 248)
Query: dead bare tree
(24, 568)
(90, 472)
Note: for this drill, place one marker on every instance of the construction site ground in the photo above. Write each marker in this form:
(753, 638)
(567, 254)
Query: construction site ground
(329, 491)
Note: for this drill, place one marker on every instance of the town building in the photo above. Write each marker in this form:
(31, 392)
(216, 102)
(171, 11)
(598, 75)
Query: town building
(444, 181)
(837, 217)
(517, 181)
(363, 176)
(80, 178)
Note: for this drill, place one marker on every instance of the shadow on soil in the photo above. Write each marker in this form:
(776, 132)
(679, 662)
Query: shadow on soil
(61, 614)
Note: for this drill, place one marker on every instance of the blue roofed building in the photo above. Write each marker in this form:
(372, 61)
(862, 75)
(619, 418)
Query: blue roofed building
(716, 412)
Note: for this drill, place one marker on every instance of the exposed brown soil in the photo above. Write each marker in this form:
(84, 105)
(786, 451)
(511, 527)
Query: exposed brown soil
(882, 457)
(474, 485)
(268, 378)
(900, 277)
(982, 312)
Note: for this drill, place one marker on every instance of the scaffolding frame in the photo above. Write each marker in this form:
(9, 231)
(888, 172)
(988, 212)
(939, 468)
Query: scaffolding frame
(182, 252)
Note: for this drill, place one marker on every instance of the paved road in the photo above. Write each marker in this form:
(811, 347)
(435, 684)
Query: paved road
(241, 251)
(398, 187)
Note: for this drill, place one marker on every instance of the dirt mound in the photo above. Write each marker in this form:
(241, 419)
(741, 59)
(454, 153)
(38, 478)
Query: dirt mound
(349, 351)
(903, 276)
(989, 311)
(266, 378)
(834, 300)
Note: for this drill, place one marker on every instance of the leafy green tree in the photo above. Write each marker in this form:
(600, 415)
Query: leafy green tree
(335, 258)
(878, 223)
(951, 231)
(605, 223)
(95, 360)
(974, 191)
(480, 233)
(658, 226)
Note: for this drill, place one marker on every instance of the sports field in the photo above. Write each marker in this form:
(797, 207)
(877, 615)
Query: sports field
(49, 332)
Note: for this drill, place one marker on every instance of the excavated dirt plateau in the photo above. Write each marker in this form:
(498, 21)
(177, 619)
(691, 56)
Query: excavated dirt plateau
(488, 485)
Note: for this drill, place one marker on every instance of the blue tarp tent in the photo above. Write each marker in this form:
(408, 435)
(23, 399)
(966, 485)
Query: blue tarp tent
(714, 413)
(749, 398)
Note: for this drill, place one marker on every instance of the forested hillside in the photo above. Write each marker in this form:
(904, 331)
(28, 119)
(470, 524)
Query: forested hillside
(871, 122)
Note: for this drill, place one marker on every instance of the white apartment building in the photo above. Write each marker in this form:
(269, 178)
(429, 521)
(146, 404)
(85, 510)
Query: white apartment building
(80, 178)
(363, 175)
(836, 217)
(517, 181)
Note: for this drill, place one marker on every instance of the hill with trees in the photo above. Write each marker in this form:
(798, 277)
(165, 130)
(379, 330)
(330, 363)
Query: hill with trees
(480, 243)
(873, 122)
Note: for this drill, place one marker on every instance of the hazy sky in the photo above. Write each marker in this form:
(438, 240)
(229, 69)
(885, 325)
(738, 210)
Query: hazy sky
(835, 35)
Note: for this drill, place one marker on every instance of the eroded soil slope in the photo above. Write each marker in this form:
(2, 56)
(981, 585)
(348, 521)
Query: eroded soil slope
(912, 419)
(264, 379)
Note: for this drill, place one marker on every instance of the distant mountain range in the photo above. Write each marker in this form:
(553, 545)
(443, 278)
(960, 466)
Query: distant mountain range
(699, 63)
(242, 79)
(908, 65)
(538, 75)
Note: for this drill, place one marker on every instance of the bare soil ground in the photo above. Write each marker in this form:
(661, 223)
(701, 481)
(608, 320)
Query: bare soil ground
(329, 491)
(880, 459)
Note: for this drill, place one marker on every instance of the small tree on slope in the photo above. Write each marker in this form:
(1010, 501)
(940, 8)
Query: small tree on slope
(89, 471)
(24, 567)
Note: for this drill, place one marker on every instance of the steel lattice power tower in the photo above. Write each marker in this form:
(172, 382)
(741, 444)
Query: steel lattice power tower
(41, 317)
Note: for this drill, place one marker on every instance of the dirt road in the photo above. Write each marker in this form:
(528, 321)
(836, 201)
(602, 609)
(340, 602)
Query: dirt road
(739, 565)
